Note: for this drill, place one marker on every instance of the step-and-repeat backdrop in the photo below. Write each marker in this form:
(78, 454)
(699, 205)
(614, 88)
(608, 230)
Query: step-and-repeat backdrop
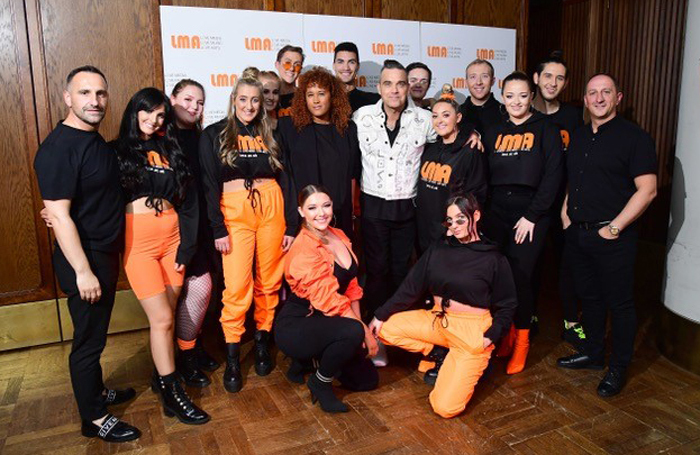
(213, 46)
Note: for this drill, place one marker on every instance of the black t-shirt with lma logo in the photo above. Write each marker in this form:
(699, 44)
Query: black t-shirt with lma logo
(79, 166)
(568, 118)
(527, 155)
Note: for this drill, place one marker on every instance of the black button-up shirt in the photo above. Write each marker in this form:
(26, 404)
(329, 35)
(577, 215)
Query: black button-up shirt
(602, 167)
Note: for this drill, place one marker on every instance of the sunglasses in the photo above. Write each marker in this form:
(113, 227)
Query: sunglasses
(289, 65)
(449, 221)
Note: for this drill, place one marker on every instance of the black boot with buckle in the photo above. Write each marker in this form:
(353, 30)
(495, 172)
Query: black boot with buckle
(233, 382)
(437, 355)
(188, 367)
(175, 400)
(263, 359)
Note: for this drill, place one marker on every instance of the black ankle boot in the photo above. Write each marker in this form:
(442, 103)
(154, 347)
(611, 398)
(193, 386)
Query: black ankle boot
(437, 355)
(232, 376)
(177, 403)
(205, 361)
(263, 359)
(297, 370)
(323, 392)
(188, 367)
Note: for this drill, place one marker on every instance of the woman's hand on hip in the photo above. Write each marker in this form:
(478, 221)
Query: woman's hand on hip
(223, 245)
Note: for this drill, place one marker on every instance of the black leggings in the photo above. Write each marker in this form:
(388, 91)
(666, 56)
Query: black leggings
(505, 208)
(335, 342)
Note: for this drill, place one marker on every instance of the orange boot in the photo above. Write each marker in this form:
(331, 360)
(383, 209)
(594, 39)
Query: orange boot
(505, 347)
(520, 350)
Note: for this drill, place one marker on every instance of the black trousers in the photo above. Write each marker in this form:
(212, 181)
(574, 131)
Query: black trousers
(336, 342)
(388, 246)
(90, 323)
(504, 209)
(604, 278)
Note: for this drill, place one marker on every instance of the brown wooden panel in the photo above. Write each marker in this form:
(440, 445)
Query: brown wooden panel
(417, 10)
(234, 4)
(574, 43)
(494, 13)
(25, 268)
(344, 8)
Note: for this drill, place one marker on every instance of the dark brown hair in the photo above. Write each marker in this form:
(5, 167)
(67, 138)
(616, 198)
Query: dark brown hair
(340, 105)
(467, 205)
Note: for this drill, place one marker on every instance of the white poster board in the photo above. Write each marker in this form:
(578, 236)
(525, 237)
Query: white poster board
(214, 45)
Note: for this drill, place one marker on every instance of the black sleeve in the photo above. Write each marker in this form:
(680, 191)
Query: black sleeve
(188, 218)
(355, 154)
(412, 289)
(211, 180)
(473, 180)
(551, 177)
(503, 300)
(286, 182)
(57, 172)
(643, 159)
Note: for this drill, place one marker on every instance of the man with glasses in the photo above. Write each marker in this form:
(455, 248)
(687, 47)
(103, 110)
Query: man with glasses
(290, 60)
(419, 77)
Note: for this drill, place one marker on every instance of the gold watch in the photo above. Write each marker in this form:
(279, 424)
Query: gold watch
(614, 230)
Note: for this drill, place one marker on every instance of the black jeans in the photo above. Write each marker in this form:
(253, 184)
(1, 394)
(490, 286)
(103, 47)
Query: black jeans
(388, 246)
(604, 278)
(90, 324)
(336, 342)
(504, 209)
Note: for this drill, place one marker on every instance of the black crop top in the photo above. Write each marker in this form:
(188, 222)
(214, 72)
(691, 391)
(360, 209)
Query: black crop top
(160, 185)
(342, 275)
(475, 274)
(253, 162)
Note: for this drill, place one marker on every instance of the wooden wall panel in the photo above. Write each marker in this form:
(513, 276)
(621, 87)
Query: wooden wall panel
(25, 267)
(574, 41)
(235, 4)
(416, 10)
(494, 13)
(337, 8)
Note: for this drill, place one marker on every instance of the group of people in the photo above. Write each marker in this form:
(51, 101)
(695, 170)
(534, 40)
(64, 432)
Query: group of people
(269, 194)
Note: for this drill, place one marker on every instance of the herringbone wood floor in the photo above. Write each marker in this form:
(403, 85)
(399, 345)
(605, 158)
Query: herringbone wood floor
(542, 410)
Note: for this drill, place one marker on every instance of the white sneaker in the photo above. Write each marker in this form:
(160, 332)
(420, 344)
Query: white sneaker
(380, 360)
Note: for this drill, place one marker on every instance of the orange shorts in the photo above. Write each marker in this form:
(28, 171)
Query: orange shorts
(150, 248)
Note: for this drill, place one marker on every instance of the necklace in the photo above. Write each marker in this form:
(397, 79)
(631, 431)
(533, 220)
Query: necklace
(251, 134)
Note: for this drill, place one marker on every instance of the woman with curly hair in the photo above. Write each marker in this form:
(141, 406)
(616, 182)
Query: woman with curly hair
(161, 232)
(319, 141)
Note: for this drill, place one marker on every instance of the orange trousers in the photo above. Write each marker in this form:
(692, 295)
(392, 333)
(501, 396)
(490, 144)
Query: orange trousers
(463, 333)
(255, 233)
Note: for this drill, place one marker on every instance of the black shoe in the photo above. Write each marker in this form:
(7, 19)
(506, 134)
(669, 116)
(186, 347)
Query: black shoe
(574, 335)
(177, 403)
(263, 359)
(297, 370)
(233, 382)
(437, 355)
(111, 430)
(116, 396)
(579, 361)
(323, 392)
(205, 361)
(612, 383)
(188, 367)
(534, 326)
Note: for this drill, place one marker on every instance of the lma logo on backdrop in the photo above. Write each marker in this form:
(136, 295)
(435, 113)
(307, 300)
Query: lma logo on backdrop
(323, 47)
(185, 41)
(437, 51)
(223, 79)
(382, 49)
(258, 44)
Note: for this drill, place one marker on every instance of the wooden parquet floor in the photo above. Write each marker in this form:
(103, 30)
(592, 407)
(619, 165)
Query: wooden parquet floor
(544, 410)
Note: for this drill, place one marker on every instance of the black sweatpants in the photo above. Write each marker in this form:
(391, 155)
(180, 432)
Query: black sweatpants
(504, 209)
(335, 342)
(604, 278)
(90, 324)
(388, 246)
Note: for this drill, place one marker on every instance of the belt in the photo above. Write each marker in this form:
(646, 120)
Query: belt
(590, 226)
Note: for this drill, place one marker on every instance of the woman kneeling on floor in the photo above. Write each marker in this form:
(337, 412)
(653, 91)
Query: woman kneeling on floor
(474, 299)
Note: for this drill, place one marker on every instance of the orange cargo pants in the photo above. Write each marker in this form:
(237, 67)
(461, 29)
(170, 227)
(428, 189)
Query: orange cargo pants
(255, 233)
(463, 333)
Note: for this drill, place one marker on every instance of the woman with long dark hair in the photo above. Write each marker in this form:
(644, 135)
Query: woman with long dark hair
(161, 232)
(524, 153)
(187, 99)
(474, 296)
(320, 141)
(252, 219)
(321, 317)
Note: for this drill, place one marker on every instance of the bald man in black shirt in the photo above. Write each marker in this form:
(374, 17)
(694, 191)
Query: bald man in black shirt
(611, 167)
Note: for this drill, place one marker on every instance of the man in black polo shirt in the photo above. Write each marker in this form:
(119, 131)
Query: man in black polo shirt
(78, 176)
(346, 64)
(611, 167)
(481, 109)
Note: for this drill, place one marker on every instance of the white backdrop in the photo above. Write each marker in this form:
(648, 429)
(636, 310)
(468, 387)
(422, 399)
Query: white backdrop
(213, 46)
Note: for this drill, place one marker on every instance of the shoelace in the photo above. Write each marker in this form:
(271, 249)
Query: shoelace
(579, 332)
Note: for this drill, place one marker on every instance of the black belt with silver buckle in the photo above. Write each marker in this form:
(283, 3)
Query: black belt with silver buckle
(590, 226)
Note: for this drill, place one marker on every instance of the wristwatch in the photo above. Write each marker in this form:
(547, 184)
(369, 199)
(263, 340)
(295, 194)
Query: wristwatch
(614, 230)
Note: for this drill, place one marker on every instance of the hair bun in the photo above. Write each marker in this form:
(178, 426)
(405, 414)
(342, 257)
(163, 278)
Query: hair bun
(251, 72)
(557, 54)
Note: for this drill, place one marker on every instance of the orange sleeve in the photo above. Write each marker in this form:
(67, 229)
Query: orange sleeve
(310, 278)
(354, 291)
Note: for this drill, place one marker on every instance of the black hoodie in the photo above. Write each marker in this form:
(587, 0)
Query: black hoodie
(446, 169)
(527, 155)
(482, 117)
(474, 273)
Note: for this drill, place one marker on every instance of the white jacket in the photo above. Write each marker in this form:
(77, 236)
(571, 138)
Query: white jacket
(391, 173)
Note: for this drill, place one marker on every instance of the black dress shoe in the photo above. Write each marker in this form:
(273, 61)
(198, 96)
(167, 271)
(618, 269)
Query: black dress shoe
(111, 430)
(263, 359)
(117, 396)
(579, 362)
(612, 383)
(205, 361)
